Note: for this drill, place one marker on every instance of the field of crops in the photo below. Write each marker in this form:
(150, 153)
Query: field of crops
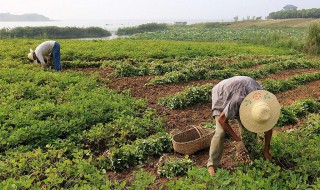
(221, 34)
(105, 121)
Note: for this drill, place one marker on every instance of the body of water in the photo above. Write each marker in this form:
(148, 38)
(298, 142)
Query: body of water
(111, 25)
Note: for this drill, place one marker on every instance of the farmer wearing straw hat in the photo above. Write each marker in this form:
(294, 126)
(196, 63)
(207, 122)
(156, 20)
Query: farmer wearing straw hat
(243, 99)
(49, 49)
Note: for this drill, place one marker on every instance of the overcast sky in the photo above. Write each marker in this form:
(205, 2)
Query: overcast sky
(151, 9)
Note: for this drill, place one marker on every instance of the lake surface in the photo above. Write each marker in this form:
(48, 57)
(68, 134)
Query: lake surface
(111, 25)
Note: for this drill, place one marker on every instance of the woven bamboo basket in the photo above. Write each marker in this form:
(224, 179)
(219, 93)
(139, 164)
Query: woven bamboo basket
(192, 140)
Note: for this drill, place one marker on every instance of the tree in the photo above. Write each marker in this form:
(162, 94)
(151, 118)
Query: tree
(236, 18)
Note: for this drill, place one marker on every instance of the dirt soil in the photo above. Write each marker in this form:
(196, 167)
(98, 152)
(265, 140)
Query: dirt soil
(196, 114)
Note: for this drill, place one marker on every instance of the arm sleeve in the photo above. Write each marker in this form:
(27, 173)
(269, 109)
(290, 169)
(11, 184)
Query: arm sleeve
(41, 59)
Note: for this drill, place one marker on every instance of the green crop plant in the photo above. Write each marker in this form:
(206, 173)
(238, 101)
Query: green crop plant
(142, 180)
(175, 166)
(118, 159)
(230, 70)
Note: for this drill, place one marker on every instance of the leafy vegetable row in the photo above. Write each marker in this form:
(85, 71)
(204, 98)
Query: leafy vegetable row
(54, 124)
(136, 153)
(185, 65)
(40, 108)
(102, 50)
(202, 93)
(196, 73)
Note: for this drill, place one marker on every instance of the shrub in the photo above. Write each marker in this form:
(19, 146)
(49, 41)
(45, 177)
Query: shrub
(142, 180)
(175, 167)
(312, 44)
(54, 32)
(149, 27)
(134, 154)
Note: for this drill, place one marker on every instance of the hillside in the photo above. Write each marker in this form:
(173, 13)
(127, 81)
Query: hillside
(24, 17)
(275, 23)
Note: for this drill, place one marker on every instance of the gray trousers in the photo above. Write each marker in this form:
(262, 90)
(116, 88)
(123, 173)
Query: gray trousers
(216, 147)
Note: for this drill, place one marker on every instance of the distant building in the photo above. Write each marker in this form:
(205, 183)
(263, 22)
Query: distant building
(290, 7)
(180, 23)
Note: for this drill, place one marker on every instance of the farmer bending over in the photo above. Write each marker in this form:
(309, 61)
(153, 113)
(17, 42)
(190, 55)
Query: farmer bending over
(258, 110)
(48, 49)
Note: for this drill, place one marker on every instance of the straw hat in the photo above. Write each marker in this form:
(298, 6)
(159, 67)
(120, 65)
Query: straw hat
(259, 111)
(30, 55)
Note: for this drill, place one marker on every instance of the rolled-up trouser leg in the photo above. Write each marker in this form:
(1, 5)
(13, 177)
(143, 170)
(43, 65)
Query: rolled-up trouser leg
(216, 147)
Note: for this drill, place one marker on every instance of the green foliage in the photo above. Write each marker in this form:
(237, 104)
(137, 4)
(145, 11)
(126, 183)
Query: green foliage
(133, 154)
(189, 96)
(276, 86)
(312, 126)
(312, 44)
(81, 64)
(316, 185)
(304, 13)
(205, 71)
(53, 32)
(192, 95)
(149, 27)
(199, 178)
(142, 180)
(291, 114)
(47, 118)
(122, 130)
(259, 174)
(209, 25)
(125, 70)
(265, 175)
(111, 51)
(175, 167)
(253, 144)
(50, 169)
(273, 37)
(299, 151)
(48, 106)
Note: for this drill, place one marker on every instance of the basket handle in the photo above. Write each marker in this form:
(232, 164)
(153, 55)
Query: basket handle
(199, 130)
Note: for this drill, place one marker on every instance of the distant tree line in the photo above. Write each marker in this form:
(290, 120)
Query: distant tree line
(53, 32)
(149, 27)
(304, 13)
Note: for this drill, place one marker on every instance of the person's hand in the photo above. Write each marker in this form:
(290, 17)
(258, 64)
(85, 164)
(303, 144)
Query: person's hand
(267, 156)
